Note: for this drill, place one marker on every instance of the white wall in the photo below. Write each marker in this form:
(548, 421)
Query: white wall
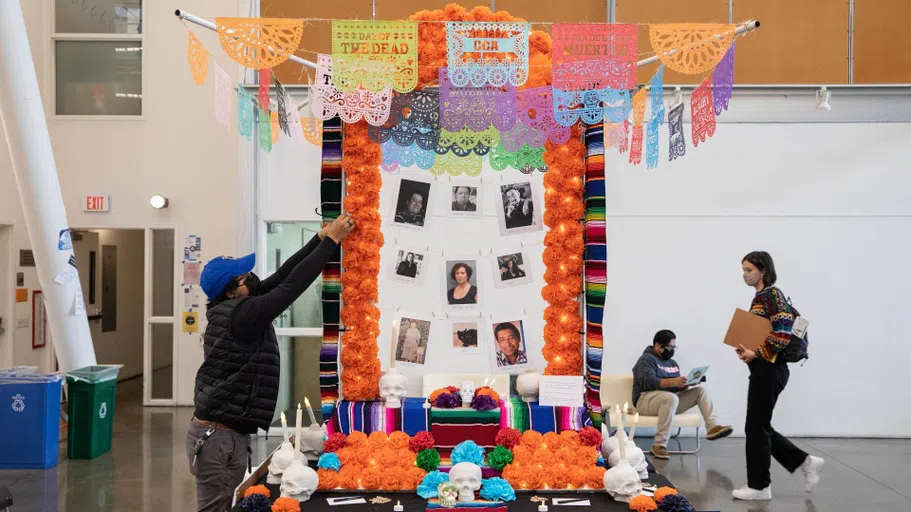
(176, 149)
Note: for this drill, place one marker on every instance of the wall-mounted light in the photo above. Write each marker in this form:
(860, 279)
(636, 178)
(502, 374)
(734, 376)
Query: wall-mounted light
(158, 202)
(822, 99)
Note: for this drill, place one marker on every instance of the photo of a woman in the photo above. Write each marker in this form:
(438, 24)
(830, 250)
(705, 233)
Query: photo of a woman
(769, 375)
(511, 269)
(407, 268)
(461, 290)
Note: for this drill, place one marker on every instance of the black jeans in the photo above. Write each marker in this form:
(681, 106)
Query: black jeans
(767, 381)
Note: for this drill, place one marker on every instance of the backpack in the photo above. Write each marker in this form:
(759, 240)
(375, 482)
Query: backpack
(797, 349)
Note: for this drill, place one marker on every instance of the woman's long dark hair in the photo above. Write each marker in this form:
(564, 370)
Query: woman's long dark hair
(763, 262)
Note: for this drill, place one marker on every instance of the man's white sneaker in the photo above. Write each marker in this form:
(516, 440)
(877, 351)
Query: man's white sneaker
(811, 468)
(747, 494)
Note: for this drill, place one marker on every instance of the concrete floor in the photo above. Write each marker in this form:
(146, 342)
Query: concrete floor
(147, 471)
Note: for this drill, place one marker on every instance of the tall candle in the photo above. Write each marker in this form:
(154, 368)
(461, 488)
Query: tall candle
(284, 427)
(619, 420)
(622, 434)
(632, 431)
(297, 434)
(310, 411)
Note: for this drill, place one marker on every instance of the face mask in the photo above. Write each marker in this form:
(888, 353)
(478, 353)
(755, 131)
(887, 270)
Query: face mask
(252, 283)
(668, 354)
(753, 280)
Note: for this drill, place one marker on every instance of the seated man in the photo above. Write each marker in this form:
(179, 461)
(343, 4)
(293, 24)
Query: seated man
(659, 390)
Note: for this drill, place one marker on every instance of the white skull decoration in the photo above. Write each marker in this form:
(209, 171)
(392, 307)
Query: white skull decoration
(622, 482)
(299, 482)
(312, 440)
(634, 455)
(610, 444)
(467, 392)
(527, 386)
(280, 461)
(393, 388)
(467, 477)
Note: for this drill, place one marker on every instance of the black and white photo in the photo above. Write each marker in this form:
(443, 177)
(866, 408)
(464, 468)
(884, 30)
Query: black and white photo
(411, 340)
(508, 352)
(461, 279)
(465, 334)
(511, 269)
(412, 204)
(517, 211)
(465, 200)
(408, 266)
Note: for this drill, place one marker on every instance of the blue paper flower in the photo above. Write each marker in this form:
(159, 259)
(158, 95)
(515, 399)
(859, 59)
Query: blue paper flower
(600, 461)
(675, 503)
(467, 451)
(428, 487)
(329, 461)
(256, 503)
(497, 489)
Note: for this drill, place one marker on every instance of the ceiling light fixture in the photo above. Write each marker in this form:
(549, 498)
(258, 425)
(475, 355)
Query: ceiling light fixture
(822, 99)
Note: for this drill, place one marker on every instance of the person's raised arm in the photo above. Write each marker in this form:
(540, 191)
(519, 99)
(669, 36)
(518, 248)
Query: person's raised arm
(285, 270)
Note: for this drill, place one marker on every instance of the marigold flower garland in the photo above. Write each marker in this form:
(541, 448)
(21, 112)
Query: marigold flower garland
(563, 247)
(361, 249)
(553, 461)
(374, 462)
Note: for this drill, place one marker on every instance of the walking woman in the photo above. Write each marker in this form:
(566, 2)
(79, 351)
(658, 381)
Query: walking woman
(768, 376)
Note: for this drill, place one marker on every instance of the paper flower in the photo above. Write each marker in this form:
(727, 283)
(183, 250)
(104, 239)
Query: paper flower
(499, 457)
(663, 492)
(487, 390)
(398, 440)
(329, 479)
(497, 489)
(329, 461)
(428, 460)
(600, 461)
(532, 439)
(483, 403)
(428, 487)
(421, 441)
(286, 505)
(357, 439)
(467, 451)
(675, 503)
(256, 503)
(258, 489)
(643, 503)
(589, 436)
(508, 438)
(448, 401)
(336, 442)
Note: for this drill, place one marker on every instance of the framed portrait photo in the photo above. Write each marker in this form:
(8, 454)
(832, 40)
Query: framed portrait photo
(412, 204)
(511, 269)
(518, 210)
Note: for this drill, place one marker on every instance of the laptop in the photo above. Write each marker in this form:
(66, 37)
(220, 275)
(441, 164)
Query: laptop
(696, 375)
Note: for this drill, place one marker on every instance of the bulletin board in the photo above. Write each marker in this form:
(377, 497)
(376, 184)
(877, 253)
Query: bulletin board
(882, 42)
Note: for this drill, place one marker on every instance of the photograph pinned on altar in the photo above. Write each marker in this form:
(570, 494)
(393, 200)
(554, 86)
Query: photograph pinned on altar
(412, 204)
(516, 208)
(465, 334)
(460, 280)
(409, 266)
(508, 352)
(465, 200)
(511, 269)
(411, 336)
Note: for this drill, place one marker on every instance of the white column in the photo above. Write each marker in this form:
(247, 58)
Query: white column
(29, 144)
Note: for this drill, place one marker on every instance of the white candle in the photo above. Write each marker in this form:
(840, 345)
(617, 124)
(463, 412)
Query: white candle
(284, 427)
(632, 431)
(398, 507)
(619, 420)
(622, 444)
(542, 508)
(297, 433)
(426, 404)
(310, 411)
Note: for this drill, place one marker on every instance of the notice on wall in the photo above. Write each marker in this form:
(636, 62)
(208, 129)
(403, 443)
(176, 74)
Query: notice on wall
(26, 258)
(68, 274)
(190, 323)
(78, 304)
(557, 391)
(191, 271)
(190, 298)
(21, 295)
(192, 247)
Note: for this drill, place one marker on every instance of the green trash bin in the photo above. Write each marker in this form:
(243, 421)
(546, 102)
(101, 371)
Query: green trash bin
(90, 408)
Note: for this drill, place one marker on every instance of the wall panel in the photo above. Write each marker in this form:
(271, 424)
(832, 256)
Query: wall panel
(882, 42)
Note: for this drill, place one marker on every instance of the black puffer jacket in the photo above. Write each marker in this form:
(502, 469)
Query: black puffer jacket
(237, 384)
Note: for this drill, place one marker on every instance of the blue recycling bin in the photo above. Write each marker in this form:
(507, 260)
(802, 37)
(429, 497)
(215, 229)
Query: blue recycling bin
(29, 420)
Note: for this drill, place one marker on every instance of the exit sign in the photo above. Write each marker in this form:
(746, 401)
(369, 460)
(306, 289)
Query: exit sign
(96, 204)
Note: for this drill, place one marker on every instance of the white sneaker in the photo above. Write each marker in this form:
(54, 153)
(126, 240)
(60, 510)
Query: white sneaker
(748, 494)
(811, 468)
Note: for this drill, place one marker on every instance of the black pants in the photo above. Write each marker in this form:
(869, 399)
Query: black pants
(767, 381)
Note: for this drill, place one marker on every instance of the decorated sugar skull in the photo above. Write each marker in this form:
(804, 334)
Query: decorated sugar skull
(448, 493)
(299, 482)
(393, 388)
(280, 461)
(527, 385)
(312, 440)
(467, 477)
(634, 455)
(622, 482)
(467, 392)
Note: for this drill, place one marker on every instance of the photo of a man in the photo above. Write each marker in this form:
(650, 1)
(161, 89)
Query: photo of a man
(509, 346)
(412, 204)
(463, 198)
(517, 212)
